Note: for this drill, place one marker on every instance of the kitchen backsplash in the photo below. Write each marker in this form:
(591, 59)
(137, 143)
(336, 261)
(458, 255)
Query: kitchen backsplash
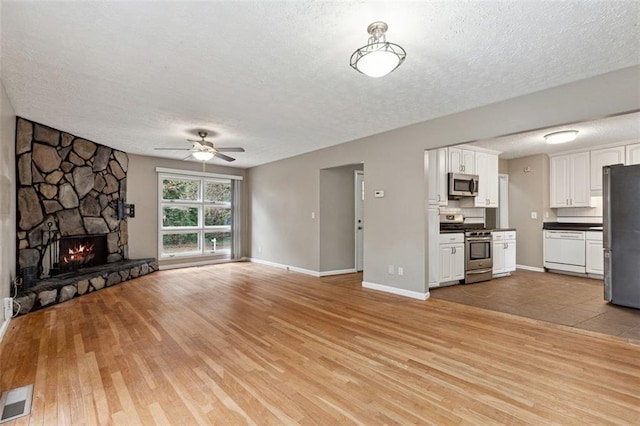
(471, 214)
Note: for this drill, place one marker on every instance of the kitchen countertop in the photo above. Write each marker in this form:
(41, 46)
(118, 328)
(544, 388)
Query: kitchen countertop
(502, 229)
(571, 226)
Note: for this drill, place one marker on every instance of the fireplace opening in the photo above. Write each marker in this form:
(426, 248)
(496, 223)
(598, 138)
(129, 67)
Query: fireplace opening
(82, 251)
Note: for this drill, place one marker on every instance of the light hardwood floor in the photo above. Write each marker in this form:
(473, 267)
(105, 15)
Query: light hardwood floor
(249, 344)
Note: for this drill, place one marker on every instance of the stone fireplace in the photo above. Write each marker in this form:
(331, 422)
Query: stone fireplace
(67, 209)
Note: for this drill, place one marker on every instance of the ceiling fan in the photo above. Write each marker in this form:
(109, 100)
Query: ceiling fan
(204, 150)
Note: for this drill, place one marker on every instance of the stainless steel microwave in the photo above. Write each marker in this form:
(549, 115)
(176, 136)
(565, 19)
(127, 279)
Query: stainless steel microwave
(461, 185)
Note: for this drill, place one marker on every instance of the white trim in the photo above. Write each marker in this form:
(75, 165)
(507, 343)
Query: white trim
(200, 263)
(395, 290)
(194, 173)
(338, 272)
(287, 267)
(4, 327)
(530, 268)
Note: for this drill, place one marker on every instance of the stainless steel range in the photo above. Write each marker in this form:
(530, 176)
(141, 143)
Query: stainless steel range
(478, 246)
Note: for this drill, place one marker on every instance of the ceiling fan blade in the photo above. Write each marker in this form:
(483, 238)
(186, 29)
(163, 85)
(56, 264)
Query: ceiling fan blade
(171, 149)
(224, 157)
(235, 149)
(193, 140)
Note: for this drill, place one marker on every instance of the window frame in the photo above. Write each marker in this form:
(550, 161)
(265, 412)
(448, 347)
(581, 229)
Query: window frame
(201, 204)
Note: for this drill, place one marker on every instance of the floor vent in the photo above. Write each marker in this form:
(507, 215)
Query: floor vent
(16, 403)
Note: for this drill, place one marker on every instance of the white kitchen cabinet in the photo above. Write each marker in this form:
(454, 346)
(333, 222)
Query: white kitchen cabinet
(462, 161)
(504, 253)
(487, 171)
(451, 258)
(570, 180)
(437, 183)
(601, 158)
(633, 154)
(594, 253)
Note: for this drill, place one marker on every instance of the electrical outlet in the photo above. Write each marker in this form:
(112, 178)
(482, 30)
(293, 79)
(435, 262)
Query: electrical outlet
(8, 307)
(400, 270)
(390, 270)
(259, 249)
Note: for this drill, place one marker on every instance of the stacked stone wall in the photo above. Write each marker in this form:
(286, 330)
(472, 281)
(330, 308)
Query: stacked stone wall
(71, 183)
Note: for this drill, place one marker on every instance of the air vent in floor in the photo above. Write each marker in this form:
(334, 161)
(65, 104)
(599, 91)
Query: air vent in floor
(16, 403)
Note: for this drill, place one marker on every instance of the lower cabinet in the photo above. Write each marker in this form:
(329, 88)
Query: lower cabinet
(594, 253)
(504, 253)
(451, 258)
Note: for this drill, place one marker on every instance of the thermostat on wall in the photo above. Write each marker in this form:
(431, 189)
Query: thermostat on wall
(378, 194)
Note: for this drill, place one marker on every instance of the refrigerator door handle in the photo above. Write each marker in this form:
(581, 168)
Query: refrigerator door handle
(606, 207)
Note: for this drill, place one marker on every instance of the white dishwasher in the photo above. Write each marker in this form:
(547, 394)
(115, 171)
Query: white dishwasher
(565, 251)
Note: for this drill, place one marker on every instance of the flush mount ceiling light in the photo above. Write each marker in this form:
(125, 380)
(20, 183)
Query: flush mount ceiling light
(561, 137)
(379, 57)
(203, 155)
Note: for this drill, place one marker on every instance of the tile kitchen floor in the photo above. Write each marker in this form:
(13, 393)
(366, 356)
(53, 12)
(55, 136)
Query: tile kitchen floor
(556, 298)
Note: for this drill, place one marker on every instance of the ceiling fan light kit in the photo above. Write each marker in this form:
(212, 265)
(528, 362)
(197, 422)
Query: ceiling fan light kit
(204, 150)
(379, 57)
(563, 136)
(203, 155)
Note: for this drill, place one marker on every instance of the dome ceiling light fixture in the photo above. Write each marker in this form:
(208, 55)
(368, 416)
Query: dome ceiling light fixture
(563, 136)
(379, 57)
(202, 155)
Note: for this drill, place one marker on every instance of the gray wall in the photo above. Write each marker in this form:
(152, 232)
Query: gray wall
(284, 193)
(529, 192)
(142, 190)
(337, 211)
(7, 193)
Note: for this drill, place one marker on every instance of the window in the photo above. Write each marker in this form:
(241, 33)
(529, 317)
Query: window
(197, 216)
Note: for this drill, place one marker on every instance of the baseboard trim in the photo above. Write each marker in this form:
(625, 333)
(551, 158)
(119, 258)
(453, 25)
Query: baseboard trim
(4, 327)
(338, 272)
(200, 263)
(530, 268)
(395, 290)
(286, 267)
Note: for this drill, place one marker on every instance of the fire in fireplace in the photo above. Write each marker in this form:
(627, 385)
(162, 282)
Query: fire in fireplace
(82, 251)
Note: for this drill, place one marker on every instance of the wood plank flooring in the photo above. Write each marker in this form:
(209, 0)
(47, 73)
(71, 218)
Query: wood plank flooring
(249, 344)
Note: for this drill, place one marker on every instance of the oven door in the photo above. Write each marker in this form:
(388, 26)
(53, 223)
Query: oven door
(478, 253)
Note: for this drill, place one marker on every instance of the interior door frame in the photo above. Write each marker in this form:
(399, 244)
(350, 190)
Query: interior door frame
(358, 220)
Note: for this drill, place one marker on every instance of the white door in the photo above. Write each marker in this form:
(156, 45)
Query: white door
(359, 219)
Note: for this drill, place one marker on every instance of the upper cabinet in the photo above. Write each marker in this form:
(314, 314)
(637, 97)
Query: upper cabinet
(633, 154)
(437, 177)
(487, 171)
(462, 161)
(605, 157)
(570, 180)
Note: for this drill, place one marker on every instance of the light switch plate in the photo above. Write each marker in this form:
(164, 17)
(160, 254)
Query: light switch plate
(534, 215)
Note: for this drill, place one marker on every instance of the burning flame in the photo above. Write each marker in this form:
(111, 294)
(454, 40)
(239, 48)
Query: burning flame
(82, 253)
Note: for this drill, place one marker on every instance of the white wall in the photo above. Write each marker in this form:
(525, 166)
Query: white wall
(284, 193)
(7, 193)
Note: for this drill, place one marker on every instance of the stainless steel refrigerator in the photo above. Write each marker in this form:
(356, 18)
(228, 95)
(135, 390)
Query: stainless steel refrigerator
(621, 234)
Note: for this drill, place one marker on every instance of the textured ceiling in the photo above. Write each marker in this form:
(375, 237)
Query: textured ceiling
(274, 77)
(622, 128)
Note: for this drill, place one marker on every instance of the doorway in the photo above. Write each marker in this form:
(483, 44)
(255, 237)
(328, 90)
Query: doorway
(359, 220)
